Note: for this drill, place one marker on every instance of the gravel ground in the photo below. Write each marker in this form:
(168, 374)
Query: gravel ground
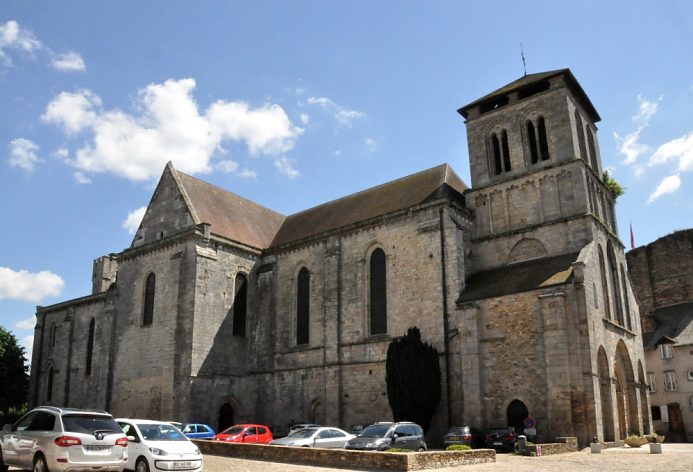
(675, 458)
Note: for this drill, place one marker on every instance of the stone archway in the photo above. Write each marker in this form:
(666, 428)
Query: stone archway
(629, 418)
(621, 403)
(605, 394)
(226, 416)
(516, 414)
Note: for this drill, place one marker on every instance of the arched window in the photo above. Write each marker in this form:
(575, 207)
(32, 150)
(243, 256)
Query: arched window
(378, 293)
(581, 135)
(543, 141)
(497, 165)
(52, 341)
(506, 151)
(49, 387)
(538, 143)
(625, 297)
(240, 305)
(533, 148)
(615, 283)
(593, 149)
(303, 307)
(605, 286)
(149, 291)
(90, 346)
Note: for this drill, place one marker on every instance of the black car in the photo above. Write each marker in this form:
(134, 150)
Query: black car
(388, 435)
(501, 439)
(464, 435)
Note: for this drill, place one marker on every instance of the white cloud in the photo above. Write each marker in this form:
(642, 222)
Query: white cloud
(343, 115)
(680, 149)
(62, 153)
(370, 144)
(668, 185)
(23, 154)
(630, 147)
(168, 127)
(646, 110)
(132, 222)
(29, 323)
(28, 286)
(14, 37)
(28, 344)
(81, 178)
(68, 62)
(305, 118)
(286, 166)
(247, 173)
(227, 166)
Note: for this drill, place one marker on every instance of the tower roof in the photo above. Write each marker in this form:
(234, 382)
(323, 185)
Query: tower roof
(532, 79)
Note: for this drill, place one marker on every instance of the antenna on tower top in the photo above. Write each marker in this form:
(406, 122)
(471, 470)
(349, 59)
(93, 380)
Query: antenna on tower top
(522, 54)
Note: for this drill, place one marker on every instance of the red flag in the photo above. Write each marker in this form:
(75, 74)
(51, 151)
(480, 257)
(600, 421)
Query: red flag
(632, 238)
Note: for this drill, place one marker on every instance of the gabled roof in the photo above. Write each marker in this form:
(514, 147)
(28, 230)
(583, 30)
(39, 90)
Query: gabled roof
(674, 326)
(520, 277)
(397, 195)
(230, 215)
(530, 79)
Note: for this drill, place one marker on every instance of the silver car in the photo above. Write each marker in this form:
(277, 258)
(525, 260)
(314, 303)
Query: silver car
(64, 439)
(315, 437)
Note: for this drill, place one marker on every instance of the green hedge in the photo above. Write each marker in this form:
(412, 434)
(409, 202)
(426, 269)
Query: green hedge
(457, 447)
(11, 415)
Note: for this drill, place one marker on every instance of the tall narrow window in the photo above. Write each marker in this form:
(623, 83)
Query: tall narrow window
(49, 387)
(52, 342)
(581, 135)
(625, 297)
(615, 283)
(90, 346)
(666, 351)
(533, 149)
(497, 165)
(240, 302)
(303, 307)
(378, 293)
(670, 381)
(605, 286)
(593, 149)
(506, 152)
(149, 291)
(651, 382)
(543, 141)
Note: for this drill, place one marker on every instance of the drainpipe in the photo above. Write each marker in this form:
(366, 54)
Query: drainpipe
(446, 339)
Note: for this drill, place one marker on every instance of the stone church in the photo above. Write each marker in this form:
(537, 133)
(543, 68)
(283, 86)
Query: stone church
(224, 311)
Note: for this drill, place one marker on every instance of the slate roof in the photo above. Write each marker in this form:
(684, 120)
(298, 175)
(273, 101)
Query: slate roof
(520, 277)
(674, 325)
(230, 215)
(397, 195)
(529, 79)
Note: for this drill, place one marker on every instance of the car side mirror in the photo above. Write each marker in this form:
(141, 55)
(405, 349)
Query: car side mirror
(132, 439)
(7, 428)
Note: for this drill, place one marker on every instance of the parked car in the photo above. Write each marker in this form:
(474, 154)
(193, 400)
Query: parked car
(176, 424)
(387, 435)
(155, 445)
(298, 426)
(198, 431)
(246, 433)
(355, 429)
(464, 435)
(61, 439)
(320, 436)
(501, 439)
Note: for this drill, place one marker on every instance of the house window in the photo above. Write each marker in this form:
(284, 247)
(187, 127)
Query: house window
(303, 307)
(651, 382)
(240, 302)
(670, 381)
(378, 294)
(656, 413)
(90, 346)
(149, 290)
(666, 351)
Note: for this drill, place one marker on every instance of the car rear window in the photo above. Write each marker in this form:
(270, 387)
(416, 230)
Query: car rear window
(87, 424)
(457, 430)
(500, 431)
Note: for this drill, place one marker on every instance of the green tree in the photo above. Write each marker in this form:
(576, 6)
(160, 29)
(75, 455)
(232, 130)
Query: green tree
(14, 375)
(412, 373)
(612, 184)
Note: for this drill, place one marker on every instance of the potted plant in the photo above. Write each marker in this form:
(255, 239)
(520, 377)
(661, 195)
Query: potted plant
(655, 438)
(635, 440)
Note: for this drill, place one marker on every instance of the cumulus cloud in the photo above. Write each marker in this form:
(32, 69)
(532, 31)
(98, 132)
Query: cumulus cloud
(29, 323)
(370, 144)
(29, 286)
(23, 154)
(343, 115)
(646, 109)
(133, 220)
(15, 38)
(679, 150)
(167, 127)
(629, 145)
(68, 62)
(286, 166)
(668, 185)
(305, 118)
(81, 178)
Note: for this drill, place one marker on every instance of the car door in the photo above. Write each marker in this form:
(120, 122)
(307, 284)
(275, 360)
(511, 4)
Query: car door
(263, 435)
(190, 430)
(135, 446)
(323, 438)
(250, 435)
(22, 441)
(339, 438)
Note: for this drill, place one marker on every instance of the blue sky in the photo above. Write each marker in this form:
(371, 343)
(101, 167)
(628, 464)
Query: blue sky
(292, 104)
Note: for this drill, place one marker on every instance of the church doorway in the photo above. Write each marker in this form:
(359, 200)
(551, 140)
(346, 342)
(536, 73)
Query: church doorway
(517, 412)
(226, 417)
(605, 395)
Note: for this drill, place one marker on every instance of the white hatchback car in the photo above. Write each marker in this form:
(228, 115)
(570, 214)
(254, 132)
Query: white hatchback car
(156, 445)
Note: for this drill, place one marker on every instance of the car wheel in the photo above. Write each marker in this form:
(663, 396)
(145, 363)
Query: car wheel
(421, 449)
(142, 465)
(40, 464)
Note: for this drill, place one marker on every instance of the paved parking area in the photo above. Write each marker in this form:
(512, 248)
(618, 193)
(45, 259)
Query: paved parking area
(675, 458)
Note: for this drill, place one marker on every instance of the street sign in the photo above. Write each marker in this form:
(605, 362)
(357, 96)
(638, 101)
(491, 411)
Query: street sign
(530, 422)
(530, 431)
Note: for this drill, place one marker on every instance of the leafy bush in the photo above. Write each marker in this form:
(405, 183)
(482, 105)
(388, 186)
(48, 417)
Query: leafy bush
(458, 447)
(613, 185)
(11, 415)
(397, 449)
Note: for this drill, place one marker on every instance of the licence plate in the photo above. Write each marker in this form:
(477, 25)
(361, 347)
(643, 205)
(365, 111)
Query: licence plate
(497, 443)
(182, 465)
(98, 448)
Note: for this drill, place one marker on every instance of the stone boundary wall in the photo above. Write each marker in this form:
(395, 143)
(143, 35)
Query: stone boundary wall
(359, 460)
(561, 446)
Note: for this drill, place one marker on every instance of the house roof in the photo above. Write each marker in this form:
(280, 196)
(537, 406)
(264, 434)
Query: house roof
(674, 326)
(530, 79)
(520, 277)
(399, 194)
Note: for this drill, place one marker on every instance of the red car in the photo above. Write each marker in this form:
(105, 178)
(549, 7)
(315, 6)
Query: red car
(245, 433)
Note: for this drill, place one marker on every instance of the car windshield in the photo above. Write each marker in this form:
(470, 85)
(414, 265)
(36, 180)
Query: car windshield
(456, 430)
(303, 433)
(375, 431)
(160, 432)
(233, 430)
(88, 424)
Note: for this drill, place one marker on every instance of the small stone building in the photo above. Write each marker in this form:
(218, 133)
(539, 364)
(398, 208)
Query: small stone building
(223, 311)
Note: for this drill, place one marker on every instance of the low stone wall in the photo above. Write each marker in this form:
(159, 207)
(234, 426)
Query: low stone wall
(561, 446)
(342, 458)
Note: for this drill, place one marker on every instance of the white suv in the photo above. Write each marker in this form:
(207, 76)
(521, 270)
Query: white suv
(63, 439)
(156, 445)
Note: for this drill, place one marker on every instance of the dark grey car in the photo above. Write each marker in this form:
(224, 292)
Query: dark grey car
(387, 435)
